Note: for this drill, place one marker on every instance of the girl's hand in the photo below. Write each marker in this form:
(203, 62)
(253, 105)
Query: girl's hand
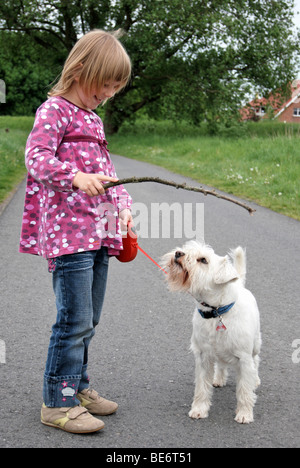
(91, 183)
(125, 217)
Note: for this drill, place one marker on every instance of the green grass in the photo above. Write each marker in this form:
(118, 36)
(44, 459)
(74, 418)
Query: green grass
(258, 162)
(262, 164)
(13, 135)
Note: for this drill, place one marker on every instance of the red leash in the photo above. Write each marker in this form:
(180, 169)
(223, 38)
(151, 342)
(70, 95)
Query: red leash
(131, 246)
(148, 256)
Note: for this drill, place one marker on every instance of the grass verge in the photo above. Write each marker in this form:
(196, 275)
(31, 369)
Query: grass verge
(13, 135)
(258, 162)
(262, 164)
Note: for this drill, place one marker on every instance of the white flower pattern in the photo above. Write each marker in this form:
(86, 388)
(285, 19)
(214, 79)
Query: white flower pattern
(59, 219)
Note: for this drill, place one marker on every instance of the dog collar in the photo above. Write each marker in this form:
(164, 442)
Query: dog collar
(215, 312)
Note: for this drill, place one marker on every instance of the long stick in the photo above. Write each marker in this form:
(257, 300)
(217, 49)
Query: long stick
(137, 180)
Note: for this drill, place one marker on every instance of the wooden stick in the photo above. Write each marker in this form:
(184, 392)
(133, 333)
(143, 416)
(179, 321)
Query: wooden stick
(137, 180)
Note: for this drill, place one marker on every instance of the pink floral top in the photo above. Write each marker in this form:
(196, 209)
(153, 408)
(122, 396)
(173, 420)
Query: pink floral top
(59, 219)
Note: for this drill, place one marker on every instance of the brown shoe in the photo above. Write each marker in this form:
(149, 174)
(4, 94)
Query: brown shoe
(95, 404)
(76, 420)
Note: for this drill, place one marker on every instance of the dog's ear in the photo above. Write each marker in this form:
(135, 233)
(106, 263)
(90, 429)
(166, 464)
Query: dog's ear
(226, 272)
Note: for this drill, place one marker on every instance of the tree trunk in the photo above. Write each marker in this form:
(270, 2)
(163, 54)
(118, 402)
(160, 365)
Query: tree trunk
(111, 125)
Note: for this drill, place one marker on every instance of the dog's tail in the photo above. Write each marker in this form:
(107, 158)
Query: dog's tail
(239, 261)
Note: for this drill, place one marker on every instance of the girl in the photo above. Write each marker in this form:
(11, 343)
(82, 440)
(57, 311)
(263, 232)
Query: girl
(73, 222)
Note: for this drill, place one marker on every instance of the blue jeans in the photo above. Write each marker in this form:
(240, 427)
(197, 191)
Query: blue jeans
(79, 283)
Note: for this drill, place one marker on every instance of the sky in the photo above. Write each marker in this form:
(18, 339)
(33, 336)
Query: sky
(297, 19)
(297, 9)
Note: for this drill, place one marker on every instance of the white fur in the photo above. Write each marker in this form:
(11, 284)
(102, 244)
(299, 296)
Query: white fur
(219, 282)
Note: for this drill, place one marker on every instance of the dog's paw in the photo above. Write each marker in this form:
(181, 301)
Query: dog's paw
(220, 377)
(198, 413)
(219, 383)
(244, 417)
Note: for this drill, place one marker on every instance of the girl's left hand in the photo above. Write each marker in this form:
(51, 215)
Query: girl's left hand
(125, 217)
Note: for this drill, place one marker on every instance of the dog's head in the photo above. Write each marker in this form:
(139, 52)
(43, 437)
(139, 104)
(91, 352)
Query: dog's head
(196, 268)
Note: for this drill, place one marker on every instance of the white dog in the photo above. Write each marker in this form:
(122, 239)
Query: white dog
(226, 324)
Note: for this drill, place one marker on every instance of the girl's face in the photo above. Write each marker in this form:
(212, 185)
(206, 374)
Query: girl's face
(91, 100)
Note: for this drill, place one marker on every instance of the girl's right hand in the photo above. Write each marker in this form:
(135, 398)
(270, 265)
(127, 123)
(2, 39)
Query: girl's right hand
(91, 183)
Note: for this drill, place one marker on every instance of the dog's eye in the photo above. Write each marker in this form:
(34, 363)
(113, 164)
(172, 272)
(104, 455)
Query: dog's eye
(202, 260)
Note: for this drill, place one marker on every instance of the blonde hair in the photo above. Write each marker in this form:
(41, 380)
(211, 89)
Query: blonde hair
(97, 58)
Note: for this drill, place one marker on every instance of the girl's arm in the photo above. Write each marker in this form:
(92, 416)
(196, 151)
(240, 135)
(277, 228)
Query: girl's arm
(42, 144)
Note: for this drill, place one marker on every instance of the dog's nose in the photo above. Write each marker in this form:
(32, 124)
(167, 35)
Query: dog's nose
(179, 254)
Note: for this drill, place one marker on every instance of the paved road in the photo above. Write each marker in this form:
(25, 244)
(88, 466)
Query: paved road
(140, 355)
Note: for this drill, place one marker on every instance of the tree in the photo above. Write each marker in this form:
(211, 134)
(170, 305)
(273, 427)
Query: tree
(27, 77)
(192, 59)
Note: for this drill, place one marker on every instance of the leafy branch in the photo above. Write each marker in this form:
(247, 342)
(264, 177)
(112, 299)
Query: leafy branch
(136, 180)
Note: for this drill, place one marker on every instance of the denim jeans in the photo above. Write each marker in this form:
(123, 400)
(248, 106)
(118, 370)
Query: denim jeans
(79, 283)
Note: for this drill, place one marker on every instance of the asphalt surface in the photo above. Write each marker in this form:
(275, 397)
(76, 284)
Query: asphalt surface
(140, 355)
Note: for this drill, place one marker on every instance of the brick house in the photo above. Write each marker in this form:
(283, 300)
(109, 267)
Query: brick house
(281, 109)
